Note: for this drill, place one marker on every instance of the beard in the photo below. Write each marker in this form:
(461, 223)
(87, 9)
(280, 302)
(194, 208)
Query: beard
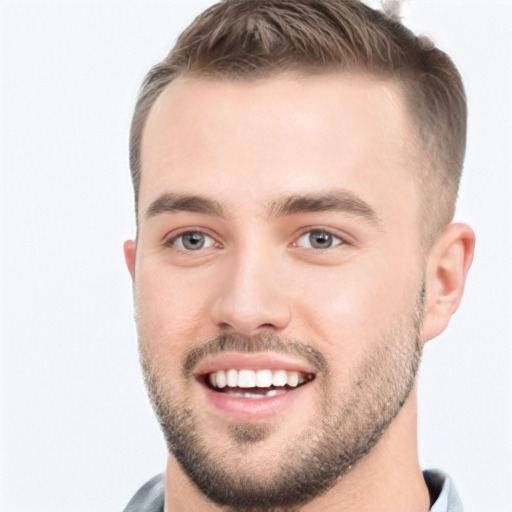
(350, 419)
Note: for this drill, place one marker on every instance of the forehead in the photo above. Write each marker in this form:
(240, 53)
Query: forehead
(240, 140)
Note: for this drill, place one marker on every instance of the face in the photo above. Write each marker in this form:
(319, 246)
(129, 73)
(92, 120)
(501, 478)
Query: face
(277, 279)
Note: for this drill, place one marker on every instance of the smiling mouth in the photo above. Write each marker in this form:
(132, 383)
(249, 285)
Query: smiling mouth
(256, 384)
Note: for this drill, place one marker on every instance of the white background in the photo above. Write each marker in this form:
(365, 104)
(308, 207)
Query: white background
(77, 433)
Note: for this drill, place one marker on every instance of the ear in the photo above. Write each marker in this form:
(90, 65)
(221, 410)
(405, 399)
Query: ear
(447, 267)
(129, 256)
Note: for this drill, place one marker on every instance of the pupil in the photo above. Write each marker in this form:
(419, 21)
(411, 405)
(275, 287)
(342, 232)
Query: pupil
(193, 241)
(320, 240)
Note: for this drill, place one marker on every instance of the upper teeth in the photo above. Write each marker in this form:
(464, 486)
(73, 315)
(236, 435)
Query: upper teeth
(255, 378)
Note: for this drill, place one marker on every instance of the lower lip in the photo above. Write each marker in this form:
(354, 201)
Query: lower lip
(246, 409)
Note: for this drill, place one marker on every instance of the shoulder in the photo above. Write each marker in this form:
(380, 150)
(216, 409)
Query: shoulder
(150, 497)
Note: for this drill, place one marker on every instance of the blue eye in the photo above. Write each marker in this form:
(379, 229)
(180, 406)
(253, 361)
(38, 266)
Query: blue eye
(318, 239)
(192, 241)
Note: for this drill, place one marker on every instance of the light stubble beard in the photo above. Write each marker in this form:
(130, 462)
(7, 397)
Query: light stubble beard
(348, 424)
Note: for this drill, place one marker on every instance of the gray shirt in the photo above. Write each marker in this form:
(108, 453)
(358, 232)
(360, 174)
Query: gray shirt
(150, 497)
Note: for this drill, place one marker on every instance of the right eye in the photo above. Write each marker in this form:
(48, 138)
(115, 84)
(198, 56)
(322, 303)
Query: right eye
(191, 241)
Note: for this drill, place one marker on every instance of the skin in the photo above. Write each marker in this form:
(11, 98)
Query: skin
(246, 146)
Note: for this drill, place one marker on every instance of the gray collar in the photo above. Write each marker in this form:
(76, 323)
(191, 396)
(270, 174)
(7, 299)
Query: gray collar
(441, 484)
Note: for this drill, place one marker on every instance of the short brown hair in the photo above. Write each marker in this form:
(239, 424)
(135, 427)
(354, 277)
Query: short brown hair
(249, 39)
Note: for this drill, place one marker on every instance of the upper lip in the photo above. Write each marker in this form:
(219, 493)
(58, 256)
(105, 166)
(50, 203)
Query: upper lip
(263, 361)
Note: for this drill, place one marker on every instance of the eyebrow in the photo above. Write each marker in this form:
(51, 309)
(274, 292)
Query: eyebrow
(173, 203)
(341, 201)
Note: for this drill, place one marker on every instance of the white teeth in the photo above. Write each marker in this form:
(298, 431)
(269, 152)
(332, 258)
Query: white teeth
(279, 378)
(246, 394)
(292, 379)
(233, 378)
(221, 379)
(246, 379)
(263, 378)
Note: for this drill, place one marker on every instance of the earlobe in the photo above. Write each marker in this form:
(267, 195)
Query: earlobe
(129, 256)
(448, 264)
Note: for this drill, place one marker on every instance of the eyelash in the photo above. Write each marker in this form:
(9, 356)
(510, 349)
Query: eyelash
(171, 242)
(335, 238)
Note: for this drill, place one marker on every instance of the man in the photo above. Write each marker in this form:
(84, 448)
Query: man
(295, 167)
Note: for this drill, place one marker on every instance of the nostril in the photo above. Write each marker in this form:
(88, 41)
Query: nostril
(248, 330)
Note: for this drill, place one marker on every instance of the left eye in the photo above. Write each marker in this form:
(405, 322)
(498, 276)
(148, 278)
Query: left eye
(318, 239)
(192, 241)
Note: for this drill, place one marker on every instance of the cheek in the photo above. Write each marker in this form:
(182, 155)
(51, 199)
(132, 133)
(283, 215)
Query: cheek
(170, 307)
(348, 309)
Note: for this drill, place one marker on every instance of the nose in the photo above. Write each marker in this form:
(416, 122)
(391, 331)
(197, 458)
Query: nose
(251, 298)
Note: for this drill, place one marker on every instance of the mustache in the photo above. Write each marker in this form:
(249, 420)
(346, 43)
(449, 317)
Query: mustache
(235, 342)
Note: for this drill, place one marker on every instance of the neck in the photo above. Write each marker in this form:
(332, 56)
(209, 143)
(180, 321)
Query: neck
(388, 478)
